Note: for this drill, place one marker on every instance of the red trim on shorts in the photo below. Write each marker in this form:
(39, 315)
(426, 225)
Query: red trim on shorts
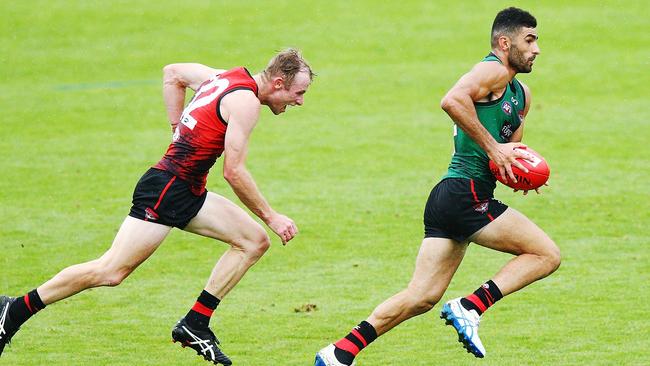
(471, 186)
(162, 194)
(29, 306)
(477, 301)
(346, 345)
(359, 337)
(202, 309)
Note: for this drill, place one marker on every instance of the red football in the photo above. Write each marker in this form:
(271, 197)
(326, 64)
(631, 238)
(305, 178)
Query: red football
(538, 172)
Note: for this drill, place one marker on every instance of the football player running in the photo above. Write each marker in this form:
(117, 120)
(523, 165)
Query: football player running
(219, 119)
(488, 106)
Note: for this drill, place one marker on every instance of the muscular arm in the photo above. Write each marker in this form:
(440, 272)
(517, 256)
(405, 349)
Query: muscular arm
(176, 79)
(485, 78)
(241, 110)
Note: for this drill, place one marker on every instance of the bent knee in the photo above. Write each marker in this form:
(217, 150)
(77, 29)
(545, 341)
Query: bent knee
(107, 276)
(424, 305)
(553, 258)
(422, 302)
(549, 257)
(256, 245)
(114, 278)
(262, 244)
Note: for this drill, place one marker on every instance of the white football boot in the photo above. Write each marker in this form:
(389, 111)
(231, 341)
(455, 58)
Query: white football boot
(466, 323)
(326, 357)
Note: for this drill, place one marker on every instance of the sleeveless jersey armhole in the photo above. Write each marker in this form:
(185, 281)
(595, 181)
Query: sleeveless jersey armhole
(219, 116)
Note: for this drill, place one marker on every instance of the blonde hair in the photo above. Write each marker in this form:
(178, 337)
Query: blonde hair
(287, 64)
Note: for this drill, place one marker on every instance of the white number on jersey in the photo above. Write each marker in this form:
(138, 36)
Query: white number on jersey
(203, 100)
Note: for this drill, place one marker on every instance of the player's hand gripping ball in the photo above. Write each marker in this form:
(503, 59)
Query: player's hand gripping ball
(538, 171)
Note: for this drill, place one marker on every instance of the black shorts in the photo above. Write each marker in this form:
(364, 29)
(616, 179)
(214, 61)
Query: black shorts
(163, 198)
(458, 208)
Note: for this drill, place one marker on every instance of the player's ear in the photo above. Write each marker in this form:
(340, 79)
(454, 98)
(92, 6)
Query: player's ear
(504, 43)
(278, 83)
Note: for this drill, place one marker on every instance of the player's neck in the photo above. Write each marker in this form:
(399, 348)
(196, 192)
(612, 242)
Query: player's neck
(503, 57)
(261, 87)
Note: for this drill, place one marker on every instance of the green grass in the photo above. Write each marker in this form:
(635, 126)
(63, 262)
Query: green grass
(83, 118)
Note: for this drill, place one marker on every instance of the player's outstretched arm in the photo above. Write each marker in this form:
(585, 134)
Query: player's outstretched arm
(241, 110)
(485, 78)
(176, 79)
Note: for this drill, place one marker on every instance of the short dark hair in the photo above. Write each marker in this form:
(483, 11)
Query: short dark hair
(287, 63)
(509, 21)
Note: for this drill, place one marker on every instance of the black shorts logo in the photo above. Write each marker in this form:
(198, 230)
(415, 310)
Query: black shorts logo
(481, 207)
(150, 214)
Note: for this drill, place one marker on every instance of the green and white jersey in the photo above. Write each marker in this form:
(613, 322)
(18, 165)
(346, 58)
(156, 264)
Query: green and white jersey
(501, 118)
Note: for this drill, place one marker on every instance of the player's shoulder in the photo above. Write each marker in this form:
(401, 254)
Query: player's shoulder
(239, 72)
(491, 71)
(246, 95)
(241, 101)
(240, 106)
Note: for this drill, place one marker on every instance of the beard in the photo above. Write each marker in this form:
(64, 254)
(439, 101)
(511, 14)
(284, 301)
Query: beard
(518, 61)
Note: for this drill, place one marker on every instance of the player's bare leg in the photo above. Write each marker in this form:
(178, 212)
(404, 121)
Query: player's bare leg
(435, 265)
(220, 219)
(135, 242)
(537, 256)
(223, 220)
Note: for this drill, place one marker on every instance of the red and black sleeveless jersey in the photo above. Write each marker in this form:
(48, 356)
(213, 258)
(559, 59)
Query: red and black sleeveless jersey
(199, 138)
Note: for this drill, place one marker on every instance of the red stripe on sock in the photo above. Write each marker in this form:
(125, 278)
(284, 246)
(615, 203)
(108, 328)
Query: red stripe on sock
(347, 346)
(359, 337)
(488, 296)
(202, 309)
(475, 299)
(29, 306)
(490, 217)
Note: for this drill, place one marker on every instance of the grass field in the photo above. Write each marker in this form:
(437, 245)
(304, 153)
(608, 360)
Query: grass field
(83, 118)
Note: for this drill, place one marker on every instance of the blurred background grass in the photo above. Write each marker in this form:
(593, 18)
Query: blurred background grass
(83, 118)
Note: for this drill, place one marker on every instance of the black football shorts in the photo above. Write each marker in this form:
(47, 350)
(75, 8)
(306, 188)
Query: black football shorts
(458, 208)
(163, 198)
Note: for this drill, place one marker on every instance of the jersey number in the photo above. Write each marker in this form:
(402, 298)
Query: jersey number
(201, 100)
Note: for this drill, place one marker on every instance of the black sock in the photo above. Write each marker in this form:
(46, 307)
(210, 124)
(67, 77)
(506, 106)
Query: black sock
(346, 349)
(201, 312)
(26, 306)
(484, 297)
